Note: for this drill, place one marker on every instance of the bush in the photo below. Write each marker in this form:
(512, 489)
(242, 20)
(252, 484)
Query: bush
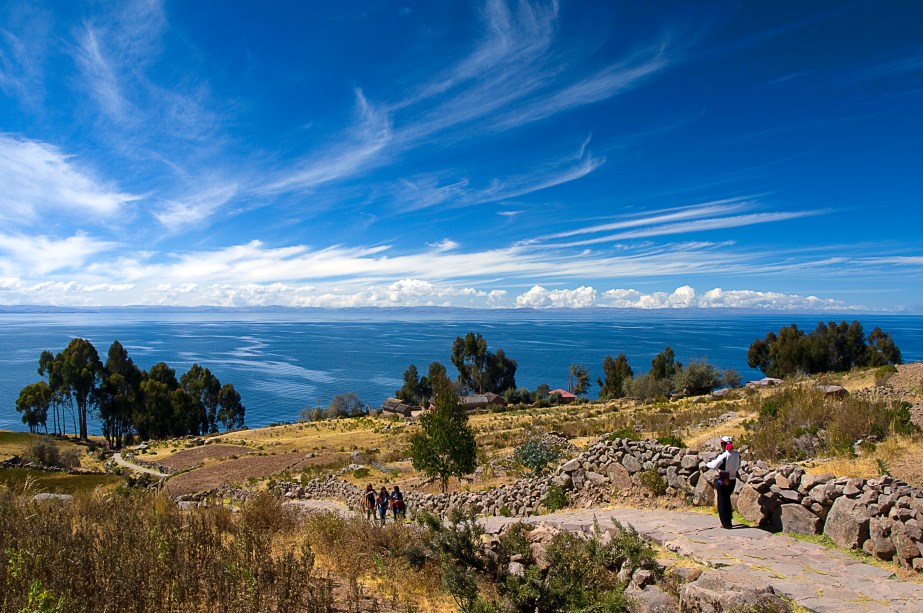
(796, 423)
(535, 454)
(883, 373)
(48, 454)
(671, 440)
(653, 481)
(556, 498)
(696, 379)
(361, 473)
(648, 388)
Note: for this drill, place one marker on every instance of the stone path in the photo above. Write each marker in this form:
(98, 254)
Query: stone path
(814, 577)
(117, 457)
(331, 506)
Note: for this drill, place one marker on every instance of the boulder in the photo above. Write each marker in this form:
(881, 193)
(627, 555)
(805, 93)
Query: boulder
(618, 475)
(631, 464)
(53, 498)
(570, 466)
(879, 543)
(796, 518)
(847, 523)
(595, 478)
(718, 590)
(905, 547)
(751, 504)
(704, 494)
(651, 599)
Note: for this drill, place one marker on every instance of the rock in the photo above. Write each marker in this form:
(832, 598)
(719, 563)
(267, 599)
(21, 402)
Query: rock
(905, 547)
(564, 480)
(570, 466)
(631, 464)
(595, 478)
(879, 542)
(651, 599)
(53, 498)
(750, 504)
(618, 476)
(847, 523)
(704, 494)
(796, 518)
(642, 577)
(689, 461)
(684, 574)
(516, 569)
(717, 591)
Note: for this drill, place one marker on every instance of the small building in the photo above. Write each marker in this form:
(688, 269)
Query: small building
(395, 406)
(481, 401)
(832, 391)
(765, 382)
(566, 396)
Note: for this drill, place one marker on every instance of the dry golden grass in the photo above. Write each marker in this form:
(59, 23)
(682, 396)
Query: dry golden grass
(901, 455)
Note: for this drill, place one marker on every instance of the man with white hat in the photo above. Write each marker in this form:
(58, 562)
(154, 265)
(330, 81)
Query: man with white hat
(728, 463)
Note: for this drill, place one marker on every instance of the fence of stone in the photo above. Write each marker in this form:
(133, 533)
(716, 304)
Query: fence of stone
(884, 517)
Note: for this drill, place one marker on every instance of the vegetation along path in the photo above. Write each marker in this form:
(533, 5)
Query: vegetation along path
(814, 577)
(117, 457)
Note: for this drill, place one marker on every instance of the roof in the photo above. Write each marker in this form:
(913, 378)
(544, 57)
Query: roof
(562, 393)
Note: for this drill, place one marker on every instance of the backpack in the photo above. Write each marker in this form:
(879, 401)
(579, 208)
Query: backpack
(397, 501)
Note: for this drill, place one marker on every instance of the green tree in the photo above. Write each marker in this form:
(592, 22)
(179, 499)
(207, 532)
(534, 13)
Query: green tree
(230, 410)
(479, 370)
(33, 402)
(415, 388)
(697, 378)
(882, 349)
(119, 395)
(445, 446)
(203, 387)
(664, 364)
(578, 379)
(344, 405)
(616, 371)
(81, 372)
(51, 367)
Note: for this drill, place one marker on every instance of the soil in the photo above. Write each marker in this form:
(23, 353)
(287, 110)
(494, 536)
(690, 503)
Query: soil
(187, 458)
(241, 470)
(907, 377)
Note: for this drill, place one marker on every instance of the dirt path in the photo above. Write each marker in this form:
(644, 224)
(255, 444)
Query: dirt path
(117, 457)
(814, 577)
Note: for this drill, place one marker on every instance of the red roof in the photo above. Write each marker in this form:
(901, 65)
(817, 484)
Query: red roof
(563, 393)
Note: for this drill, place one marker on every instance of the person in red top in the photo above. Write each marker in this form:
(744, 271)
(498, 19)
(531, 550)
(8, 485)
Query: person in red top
(728, 463)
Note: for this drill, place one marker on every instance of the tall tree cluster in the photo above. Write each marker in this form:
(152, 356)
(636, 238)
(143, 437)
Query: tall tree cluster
(829, 347)
(125, 398)
(479, 370)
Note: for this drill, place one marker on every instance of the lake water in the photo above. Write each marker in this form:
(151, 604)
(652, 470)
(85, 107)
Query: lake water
(281, 362)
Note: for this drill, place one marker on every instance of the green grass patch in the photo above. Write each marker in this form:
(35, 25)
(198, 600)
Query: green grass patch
(15, 443)
(60, 483)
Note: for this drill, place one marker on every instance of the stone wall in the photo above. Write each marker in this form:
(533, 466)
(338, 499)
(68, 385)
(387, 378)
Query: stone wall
(883, 516)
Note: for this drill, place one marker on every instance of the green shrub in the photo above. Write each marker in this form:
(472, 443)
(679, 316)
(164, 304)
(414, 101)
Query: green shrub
(505, 511)
(653, 481)
(556, 498)
(361, 473)
(535, 454)
(626, 432)
(671, 440)
(46, 453)
(883, 373)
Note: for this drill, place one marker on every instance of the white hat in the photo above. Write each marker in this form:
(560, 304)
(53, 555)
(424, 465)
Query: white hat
(726, 439)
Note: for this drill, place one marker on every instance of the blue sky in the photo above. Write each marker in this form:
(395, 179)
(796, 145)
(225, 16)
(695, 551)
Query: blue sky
(495, 154)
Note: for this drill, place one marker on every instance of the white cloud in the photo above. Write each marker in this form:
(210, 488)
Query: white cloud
(686, 297)
(196, 207)
(39, 177)
(538, 297)
(38, 255)
(445, 244)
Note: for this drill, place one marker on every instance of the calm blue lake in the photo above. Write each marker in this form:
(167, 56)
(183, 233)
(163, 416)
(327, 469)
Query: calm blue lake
(281, 362)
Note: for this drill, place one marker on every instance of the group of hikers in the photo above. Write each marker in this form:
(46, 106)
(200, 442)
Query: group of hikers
(376, 505)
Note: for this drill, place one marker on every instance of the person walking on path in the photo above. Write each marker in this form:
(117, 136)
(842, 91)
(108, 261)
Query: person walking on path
(383, 502)
(397, 503)
(368, 502)
(728, 463)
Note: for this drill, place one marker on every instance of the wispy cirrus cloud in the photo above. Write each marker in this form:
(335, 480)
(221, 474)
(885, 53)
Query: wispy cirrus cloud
(716, 215)
(40, 177)
(30, 255)
(23, 50)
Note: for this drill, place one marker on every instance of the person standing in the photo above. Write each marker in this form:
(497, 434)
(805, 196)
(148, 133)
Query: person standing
(368, 502)
(383, 502)
(397, 503)
(728, 463)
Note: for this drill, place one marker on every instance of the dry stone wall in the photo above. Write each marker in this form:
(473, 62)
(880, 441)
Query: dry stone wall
(884, 517)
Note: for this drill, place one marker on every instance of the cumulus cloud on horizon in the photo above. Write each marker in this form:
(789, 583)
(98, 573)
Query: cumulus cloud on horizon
(409, 292)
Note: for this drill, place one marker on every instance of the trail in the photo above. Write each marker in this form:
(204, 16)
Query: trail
(135, 467)
(814, 577)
